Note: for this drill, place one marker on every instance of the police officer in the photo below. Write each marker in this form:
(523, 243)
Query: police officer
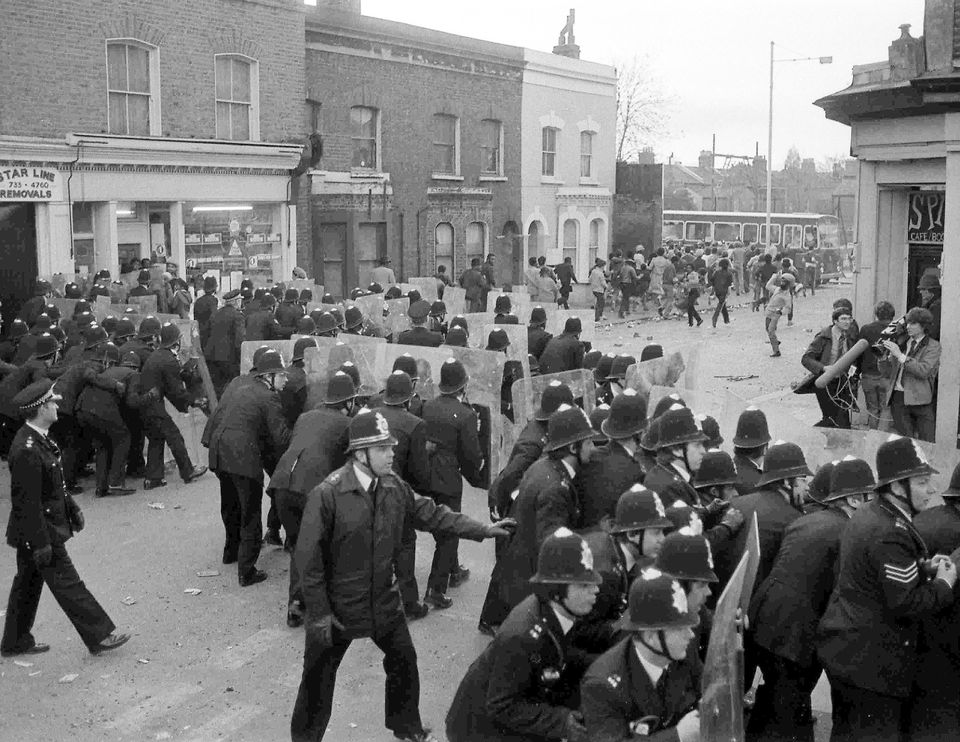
(648, 684)
(248, 435)
(564, 352)
(260, 322)
(162, 372)
(679, 453)
(867, 638)
(686, 555)
(289, 312)
(227, 333)
(537, 336)
(499, 342)
(293, 395)
(454, 454)
(143, 344)
(8, 348)
(352, 527)
(522, 686)
(749, 446)
(42, 518)
(614, 467)
(438, 313)
(787, 606)
(143, 287)
(123, 331)
(410, 366)
(504, 312)
(305, 326)
(326, 324)
(318, 446)
(353, 321)
(418, 334)
(205, 307)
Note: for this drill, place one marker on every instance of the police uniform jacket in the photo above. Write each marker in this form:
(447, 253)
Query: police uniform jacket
(537, 339)
(203, 311)
(409, 455)
(748, 474)
(76, 378)
(106, 404)
(667, 482)
(41, 512)
(868, 634)
(15, 382)
(349, 543)
(506, 319)
(595, 633)
(262, 325)
(562, 353)
(162, 372)
(420, 336)
(453, 446)
(227, 333)
(548, 499)
(141, 348)
(526, 451)
(32, 308)
(317, 447)
(620, 702)
(293, 396)
(26, 348)
(516, 689)
(788, 605)
(774, 514)
(611, 472)
(250, 433)
(288, 312)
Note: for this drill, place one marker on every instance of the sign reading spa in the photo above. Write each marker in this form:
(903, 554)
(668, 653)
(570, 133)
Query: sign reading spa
(29, 183)
(925, 220)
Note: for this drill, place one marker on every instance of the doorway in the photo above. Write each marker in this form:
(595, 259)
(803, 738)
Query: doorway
(921, 259)
(330, 255)
(18, 257)
(511, 236)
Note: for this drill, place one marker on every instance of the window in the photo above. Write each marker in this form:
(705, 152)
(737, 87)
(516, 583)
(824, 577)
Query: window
(672, 230)
(133, 104)
(534, 240)
(370, 247)
(594, 247)
(774, 234)
(697, 231)
(237, 98)
(810, 236)
(751, 232)
(443, 246)
(792, 235)
(83, 235)
(586, 154)
(491, 133)
(549, 148)
(726, 232)
(571, 238)
(364, 133)
(445, 145)
(476, 240)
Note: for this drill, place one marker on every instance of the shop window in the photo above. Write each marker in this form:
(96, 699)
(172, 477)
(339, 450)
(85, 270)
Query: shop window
(443, 247)
(476, 241)
(229, 238)
(364, 137)
(491, 147)
(593, 248)
(133, 88)
(586, 154)
(237, 83)
(549, 151)
(446, 144)
(571, 239)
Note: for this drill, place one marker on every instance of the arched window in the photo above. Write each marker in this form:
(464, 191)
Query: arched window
(133, 88)
(476, 241)
(593, 248)
(443, 247)
(238, 115)
(534, 240)
(571, 240)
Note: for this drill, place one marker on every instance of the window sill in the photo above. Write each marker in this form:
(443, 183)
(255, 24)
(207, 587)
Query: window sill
(589, 181)
(493, 178)
(447, 176)
(551, 180)
(364, 172)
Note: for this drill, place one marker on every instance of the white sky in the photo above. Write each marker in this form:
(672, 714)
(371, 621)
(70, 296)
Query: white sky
(712, 57)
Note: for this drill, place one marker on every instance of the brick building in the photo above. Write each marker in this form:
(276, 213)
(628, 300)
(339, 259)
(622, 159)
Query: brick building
(129, 128)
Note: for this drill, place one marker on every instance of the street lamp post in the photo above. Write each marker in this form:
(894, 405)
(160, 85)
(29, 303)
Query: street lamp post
(822, 60)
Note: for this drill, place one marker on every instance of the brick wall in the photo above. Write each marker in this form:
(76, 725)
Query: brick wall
(59, 53)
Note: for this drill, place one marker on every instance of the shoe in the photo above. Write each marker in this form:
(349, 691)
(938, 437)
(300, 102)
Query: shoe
(424, 735)
(152, 484)
(699, 322)
(414, 611)
(35, 649)
(115, 492)
(775, 355)
(229, 555)
(437, 599)
(111, 642)
(198, 471)
(294, 616)
(272, 537)
(253, 577)
(484, 628)
(73, 489)
(459, 577)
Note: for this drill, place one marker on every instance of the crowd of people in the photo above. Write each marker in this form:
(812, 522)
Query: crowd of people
(615, 531)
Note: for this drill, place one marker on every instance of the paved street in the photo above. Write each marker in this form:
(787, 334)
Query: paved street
(222, 664)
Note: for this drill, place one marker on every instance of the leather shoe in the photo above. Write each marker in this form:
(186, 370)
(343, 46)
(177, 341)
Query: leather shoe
(294, 617)
(198, 471)
(437, 599)
(152, 484)
(229, 556)
(253, 577)
(486, 629)
(111, 642)
(414, 611)
(115, 492)
(272, 538)
(458, 577)
(35, 649)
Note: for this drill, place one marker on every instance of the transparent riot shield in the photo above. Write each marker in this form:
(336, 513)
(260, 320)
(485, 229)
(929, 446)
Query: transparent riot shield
(249, 347)
(330, 354)
(691, 362)
(519, 302)
(662, 372)
(752, 552)
(455, 299)
(65, 306)
(527, 392)
(191, 423)
(702, 403)
(306, 283)
(557, 318)
(721, 700)
(475, 324)
(427, 286)
(145, 304)
(397, 317)
(516, 351)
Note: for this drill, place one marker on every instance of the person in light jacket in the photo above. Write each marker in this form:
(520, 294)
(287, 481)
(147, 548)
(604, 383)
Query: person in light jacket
(913, 369)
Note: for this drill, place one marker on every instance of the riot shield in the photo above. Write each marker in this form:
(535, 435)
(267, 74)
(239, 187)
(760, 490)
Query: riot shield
(475, 324)
(557, 318)
(65, 306)
(721, 699)
(520, 303)
(145, 304)
(702, 403)
(527, 392)
(249, 347)
(427, 286)
(192, 422)
(752, 552)
(397, 318)
(516, 351)
(330, 354)
(662, 372)
(455, 299)
(691, 363)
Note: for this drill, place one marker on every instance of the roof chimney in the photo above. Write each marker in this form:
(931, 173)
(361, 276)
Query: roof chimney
(566, 46)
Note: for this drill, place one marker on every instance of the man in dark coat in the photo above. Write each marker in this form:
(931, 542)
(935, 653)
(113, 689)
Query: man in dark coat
(293, 396)
(352, 528)
(537, 336)
(227, 333)
(248, 434)
(749, 446)
(289, 312)
(260, 322)
(564, 352)
(826, 348)
(418, 334)
(162, 372)
(34, 306)
(205, 307)
(680, 449)
(42, 518)
(145, 342)
(474, 285)
(504, 312)
(143, 288)
(454, 454)
(565, 276)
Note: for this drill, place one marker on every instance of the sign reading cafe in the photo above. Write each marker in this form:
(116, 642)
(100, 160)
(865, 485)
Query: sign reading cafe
(29, 183)
(925, 219)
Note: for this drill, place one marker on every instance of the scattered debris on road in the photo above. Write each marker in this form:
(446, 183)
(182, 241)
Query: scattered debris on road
(69, 677)
(156, 505)
(208, 573)
(193, 591)
(129, 600)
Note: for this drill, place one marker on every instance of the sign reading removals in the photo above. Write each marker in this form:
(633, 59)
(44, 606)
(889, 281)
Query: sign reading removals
(29, 183)
(925, 219)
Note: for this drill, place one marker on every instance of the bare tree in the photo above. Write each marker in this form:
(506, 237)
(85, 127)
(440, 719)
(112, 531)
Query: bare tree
(642, 107)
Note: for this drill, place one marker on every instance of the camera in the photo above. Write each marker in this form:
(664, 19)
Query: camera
(895, 331)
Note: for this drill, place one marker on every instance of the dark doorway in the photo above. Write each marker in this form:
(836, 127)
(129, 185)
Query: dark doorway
(330, 256)
(514, 248)
(18, 257)
(922, 259)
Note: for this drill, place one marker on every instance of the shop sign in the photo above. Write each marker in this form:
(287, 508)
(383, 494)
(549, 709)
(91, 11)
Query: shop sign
(28, 183)
(925, 220)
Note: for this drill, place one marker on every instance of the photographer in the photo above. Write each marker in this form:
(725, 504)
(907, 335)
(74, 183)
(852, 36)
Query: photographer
(913, 371)
(875, 385)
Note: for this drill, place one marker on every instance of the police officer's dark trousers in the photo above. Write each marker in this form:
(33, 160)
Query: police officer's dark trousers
(74, 447)
(113, 440)
(85, 613)
(311, 713)
(161, 429)
(240, 506)
(860, 714)
(782, 712)
(445, 559)
(290, 507)
(407, 566)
